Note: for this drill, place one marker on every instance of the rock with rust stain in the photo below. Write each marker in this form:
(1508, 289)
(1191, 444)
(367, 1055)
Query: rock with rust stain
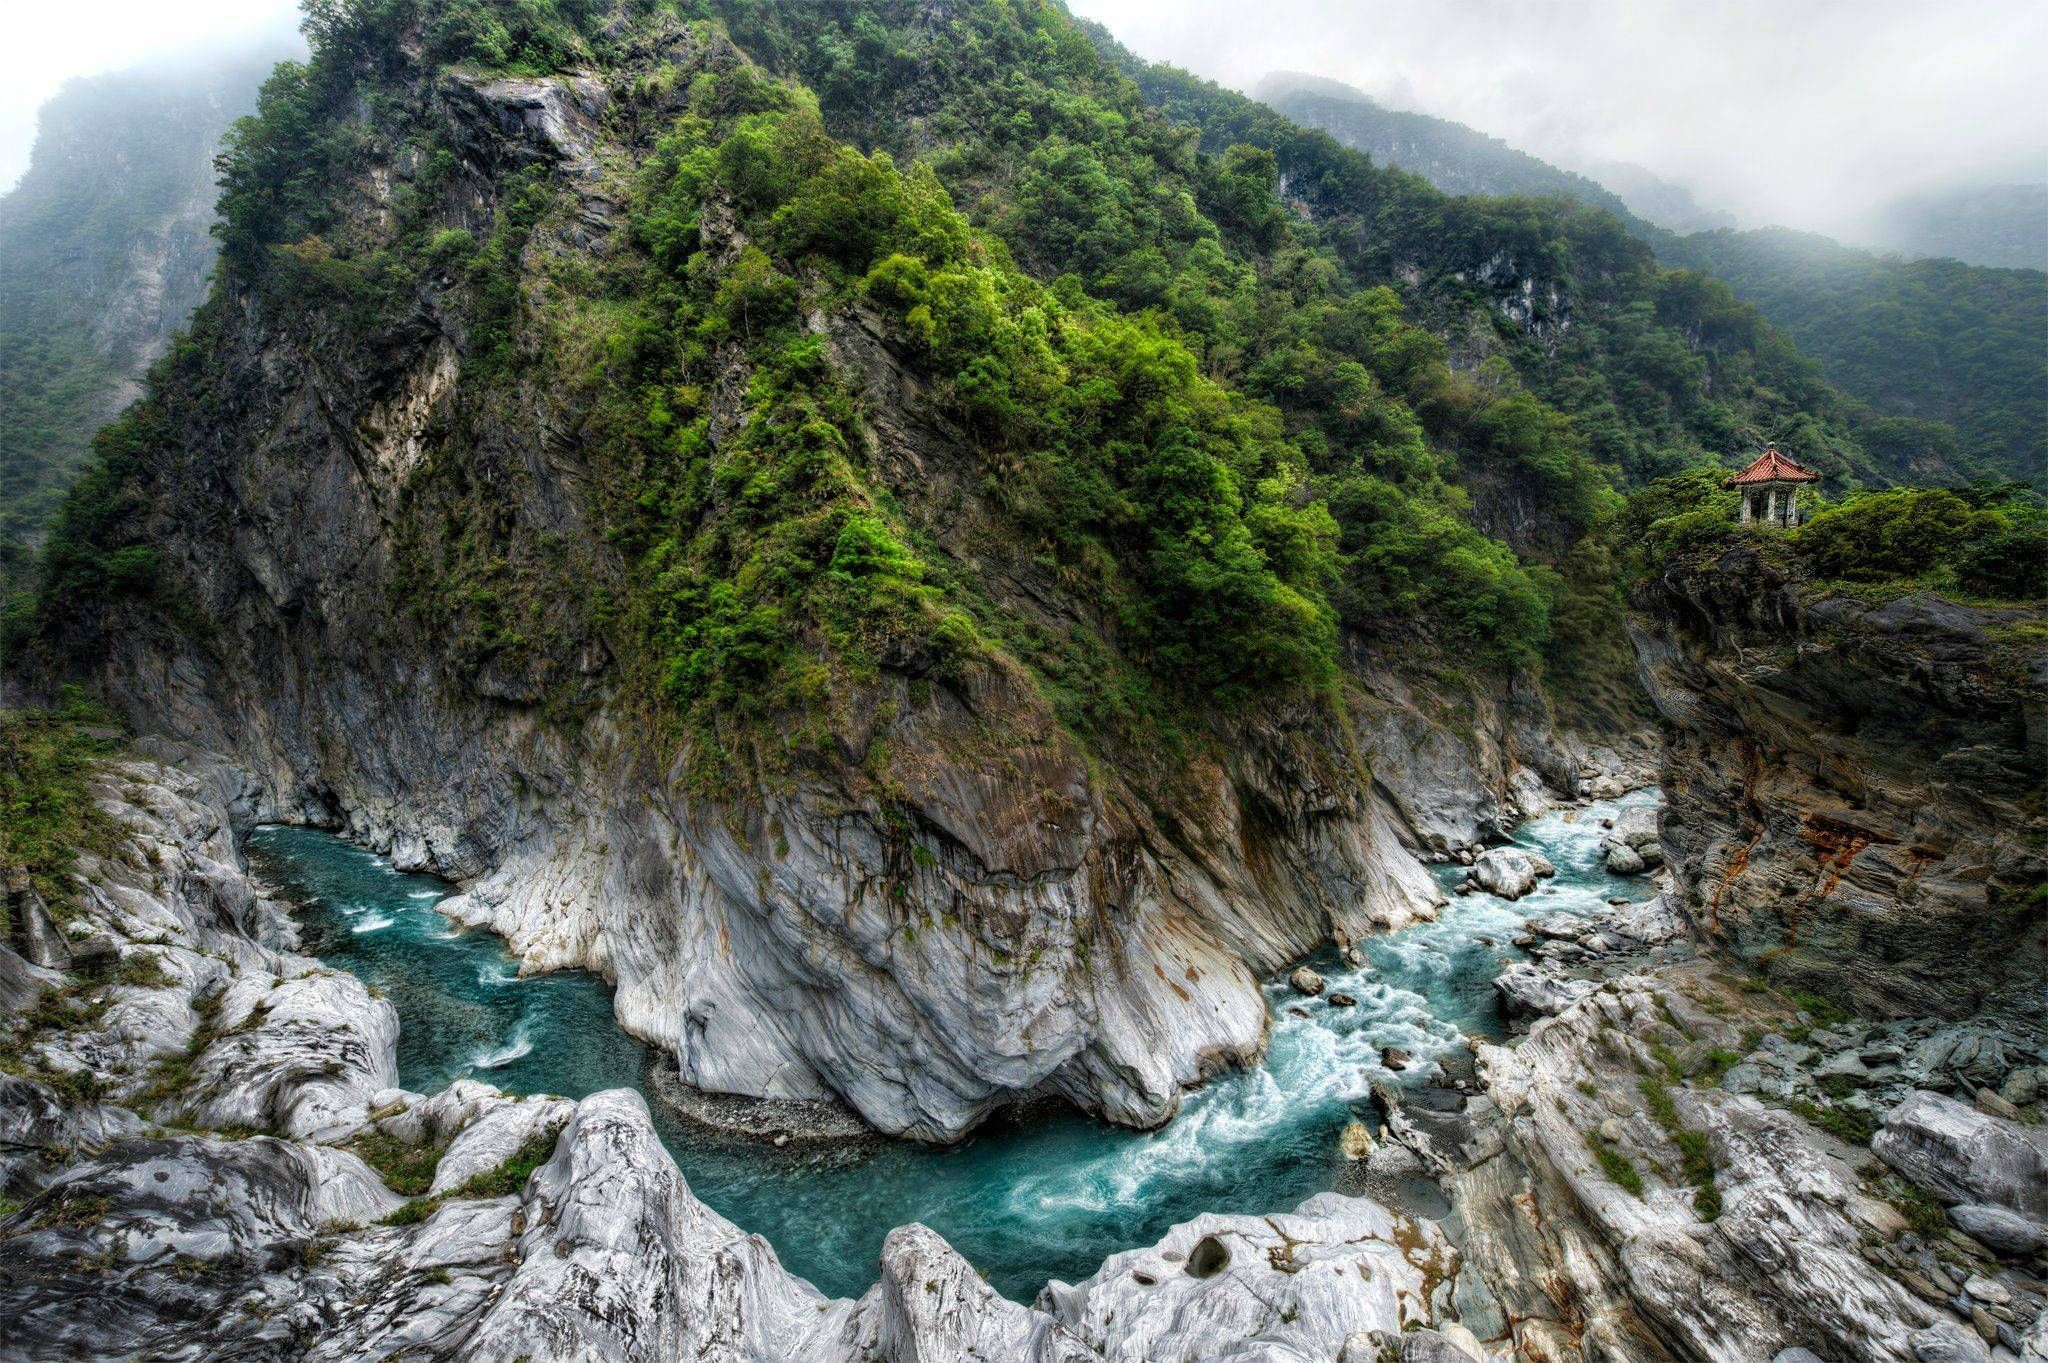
(1853, 788)
(922, 899)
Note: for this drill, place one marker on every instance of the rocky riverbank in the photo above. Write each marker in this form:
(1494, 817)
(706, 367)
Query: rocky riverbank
(205, 1157)
(1660, 1171)
(1822, 1138)
(205, 1145)
(925, 896)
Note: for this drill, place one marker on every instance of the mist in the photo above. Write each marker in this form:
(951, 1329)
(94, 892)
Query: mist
(1811, 115)
(1814, 114)
(92, 37)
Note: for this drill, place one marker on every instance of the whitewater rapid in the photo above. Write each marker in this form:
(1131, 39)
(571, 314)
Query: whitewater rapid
(1029, 1197)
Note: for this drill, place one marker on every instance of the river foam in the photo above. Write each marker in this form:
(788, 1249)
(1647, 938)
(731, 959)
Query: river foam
(1030, 1196)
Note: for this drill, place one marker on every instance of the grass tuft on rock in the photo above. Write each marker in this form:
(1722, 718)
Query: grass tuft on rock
(507, 1180)
(1620, 1170)
(1850, 1124)
(47, 813)
(1695, 1156)
(405, 1169)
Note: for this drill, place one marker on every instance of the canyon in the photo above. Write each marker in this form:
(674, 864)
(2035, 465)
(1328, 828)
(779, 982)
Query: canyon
(589, 732)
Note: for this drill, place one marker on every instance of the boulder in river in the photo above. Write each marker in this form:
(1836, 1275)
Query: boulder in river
(1504, 871)
(1342, 1000)
(1562, 926)
(1623, 860)
(1306, 981)
(1528, 990)
(1636, 826)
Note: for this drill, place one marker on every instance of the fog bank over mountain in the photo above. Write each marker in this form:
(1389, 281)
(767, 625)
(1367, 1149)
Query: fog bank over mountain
(1814, 115)
(62, 42)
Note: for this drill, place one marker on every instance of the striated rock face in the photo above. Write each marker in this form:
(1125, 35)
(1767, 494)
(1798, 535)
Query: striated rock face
(255, 1248)
(138, 1239)
(1585, 1268)
(940, 903)
(1289, 1288)
(1853, 791)
(1968, 1156)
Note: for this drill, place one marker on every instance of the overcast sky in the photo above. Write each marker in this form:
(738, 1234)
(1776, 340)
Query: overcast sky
(1806, 112)
(54, 40)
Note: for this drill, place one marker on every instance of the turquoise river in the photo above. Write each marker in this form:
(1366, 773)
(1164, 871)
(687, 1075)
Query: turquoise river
(1026, 1199)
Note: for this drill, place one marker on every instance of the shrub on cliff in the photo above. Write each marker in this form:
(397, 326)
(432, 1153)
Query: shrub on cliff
(1682, 514)
(2011, 564)
(47, 813)
(1899, 532)
(1986, 541)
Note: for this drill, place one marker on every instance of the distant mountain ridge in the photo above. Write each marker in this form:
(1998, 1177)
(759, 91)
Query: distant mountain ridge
(2005, 226)
(1650, 196)
(1954, 354)
(105, 250)
(1462, 160)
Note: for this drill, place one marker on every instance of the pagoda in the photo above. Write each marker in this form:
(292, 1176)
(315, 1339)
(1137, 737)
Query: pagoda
(1770, 488)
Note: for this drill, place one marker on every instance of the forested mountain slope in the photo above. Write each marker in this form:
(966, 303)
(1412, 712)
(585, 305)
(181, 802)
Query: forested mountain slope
(1451, 156)
(1999, 225)
(829, 484)
(104, 252)
(1658, 369)
(1926, 340)
(592, 479)
(1920, 341)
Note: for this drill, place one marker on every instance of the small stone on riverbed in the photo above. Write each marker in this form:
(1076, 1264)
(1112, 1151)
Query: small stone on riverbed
(1998, 1107)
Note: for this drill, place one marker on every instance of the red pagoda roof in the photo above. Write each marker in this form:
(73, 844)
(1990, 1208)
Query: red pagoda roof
(1772, 467)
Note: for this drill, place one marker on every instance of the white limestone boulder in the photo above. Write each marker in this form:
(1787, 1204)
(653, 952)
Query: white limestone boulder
(1505, 871)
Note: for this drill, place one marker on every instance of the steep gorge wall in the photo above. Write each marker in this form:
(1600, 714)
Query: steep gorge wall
(1854, 790)
(939, 904)
(216, 1188)
(104, 252)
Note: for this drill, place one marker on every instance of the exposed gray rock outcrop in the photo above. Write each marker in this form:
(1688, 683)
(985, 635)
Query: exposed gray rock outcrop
(984, 912)
(1967, 1155)
(2001, 1229)
(1528, 990)
(134, 1239)
(1287, 1288)
(1853, 788)
(1585, 1268)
